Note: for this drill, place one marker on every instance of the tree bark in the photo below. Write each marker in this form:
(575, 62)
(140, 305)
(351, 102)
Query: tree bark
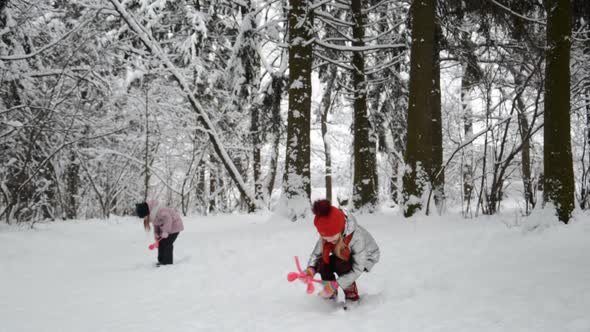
(557, 162)
(524, 128)
(250, 60)
(437, 172)
(276, 97)
(72, 185)
(201, 187)
(585, 192)
(467, 116)
(419, 145)
(297, 185)
(146, 160)
(365, 148)
(327, 101)
(256, 155)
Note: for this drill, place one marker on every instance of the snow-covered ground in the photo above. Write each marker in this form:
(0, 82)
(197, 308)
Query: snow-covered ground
(435, 274)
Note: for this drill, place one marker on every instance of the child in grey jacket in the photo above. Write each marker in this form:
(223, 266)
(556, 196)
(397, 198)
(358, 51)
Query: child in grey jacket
(344, 248)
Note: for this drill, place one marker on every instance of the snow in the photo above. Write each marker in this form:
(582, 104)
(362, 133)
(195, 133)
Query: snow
(435, 274)
(297, 84)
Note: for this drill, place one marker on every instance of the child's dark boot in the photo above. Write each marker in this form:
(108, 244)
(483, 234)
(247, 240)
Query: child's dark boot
(351, 293)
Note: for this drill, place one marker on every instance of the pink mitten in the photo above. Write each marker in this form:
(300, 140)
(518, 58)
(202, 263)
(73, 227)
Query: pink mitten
(305, 276)
(310, 271)
(154, 245)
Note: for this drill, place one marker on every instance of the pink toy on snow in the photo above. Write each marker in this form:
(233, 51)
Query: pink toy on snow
(301, 275)
(154, 245)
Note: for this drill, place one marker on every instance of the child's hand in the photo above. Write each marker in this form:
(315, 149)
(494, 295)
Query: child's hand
(306, 275)
(330, 287)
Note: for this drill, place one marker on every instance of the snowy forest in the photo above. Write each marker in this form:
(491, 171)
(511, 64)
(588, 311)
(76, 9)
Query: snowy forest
(218, 106)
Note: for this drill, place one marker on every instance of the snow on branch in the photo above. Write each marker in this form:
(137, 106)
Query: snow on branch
(517, 14)
(323, 16)
(46, 47)
(382, 66)
(332, 61)
(379, 4)
(60, 71)
(337, 30)
(319, 4)
(359, 48)
(153, 170)
(61, 147)
(385, 33)
(203, 116)
(340, 5)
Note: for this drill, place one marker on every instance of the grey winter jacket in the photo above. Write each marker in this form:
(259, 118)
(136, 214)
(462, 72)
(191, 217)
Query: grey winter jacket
(364, 252)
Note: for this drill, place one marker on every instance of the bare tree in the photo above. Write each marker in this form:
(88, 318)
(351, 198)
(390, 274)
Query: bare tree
(203, 117)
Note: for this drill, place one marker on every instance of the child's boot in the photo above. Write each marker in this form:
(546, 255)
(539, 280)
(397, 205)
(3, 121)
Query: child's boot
(351, 293)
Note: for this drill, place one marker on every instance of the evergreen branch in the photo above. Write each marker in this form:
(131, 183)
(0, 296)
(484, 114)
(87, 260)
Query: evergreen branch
(322, 15)
(332, 61)
(382, 66)
(383, 33)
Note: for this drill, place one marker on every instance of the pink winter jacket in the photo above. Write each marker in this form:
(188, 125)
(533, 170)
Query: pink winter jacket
(165, 220)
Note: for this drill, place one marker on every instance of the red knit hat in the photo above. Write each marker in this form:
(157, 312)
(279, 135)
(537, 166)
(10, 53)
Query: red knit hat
(329, 220)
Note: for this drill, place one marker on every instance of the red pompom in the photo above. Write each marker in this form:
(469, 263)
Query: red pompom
(321, 207)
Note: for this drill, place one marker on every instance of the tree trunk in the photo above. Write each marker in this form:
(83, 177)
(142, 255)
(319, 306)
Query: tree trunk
(214, 177)
(72, 185)
(250, 60)
(398, 133)
(365, 148)
(256, 156)
(276, 97)
(201, 187)
(557, 162)
(467, 169)
(585, 192)
(482, 185)
(146, 169)
(419, 146)
(523, 128)
(437, 172)
(327, 101)
(297, 185)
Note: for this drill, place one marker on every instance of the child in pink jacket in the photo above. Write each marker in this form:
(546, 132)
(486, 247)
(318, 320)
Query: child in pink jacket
(167, 224)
